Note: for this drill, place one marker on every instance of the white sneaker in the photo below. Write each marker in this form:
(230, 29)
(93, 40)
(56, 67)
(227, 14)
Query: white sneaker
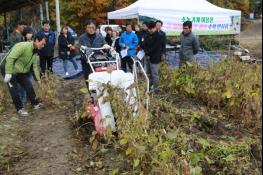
(22, 113)
(77, 70)
(38, 106)
(67, 74)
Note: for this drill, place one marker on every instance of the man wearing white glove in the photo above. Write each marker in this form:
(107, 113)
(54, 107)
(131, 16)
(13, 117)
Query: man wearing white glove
(19, 62)
(7, 78)
(90, 39)
(106, 46)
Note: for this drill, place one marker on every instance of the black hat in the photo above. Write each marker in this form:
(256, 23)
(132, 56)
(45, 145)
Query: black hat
(45, 21)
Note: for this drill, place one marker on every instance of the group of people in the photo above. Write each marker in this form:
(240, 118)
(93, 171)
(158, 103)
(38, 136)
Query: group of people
(152, 41)
(21, 64)
(149, 38)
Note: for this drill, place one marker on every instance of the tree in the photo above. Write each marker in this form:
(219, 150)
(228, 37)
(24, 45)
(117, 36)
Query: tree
(75, 13)
(256, 7)
(242, 5)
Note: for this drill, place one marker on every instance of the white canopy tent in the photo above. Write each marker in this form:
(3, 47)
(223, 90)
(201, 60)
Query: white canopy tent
(207, 18)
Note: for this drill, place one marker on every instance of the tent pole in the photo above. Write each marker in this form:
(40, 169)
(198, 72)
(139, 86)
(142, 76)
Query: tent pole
(47, 10)
(239, 38)
(41, 12)
(20, 14)
(57, 16)
(5, 24)
(229, 47)
(138, 20)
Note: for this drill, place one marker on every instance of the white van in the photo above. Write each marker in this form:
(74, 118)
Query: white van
(103, 27)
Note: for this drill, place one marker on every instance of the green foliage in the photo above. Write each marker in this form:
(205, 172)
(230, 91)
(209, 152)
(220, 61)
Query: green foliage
(159, 142)
(256, 7)
(232, 86)
(173, 140)
(75, 13)
(242, 5)
(1, 22)
(214, 43)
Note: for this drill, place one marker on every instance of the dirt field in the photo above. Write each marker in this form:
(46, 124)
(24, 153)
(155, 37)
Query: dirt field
(47, 142)
(43, 143)
(251, 39)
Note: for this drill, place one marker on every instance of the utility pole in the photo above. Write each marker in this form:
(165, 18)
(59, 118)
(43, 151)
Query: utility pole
(47, 10)
(57, 16)
(41, 12)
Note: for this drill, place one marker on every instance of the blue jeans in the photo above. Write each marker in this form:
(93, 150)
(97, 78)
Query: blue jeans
(22, 91)
(17, 82)
(71, 59)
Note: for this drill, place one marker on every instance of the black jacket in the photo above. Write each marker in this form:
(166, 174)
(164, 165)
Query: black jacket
(108, 39)
(48, 50)
(164, 41)
(141, 37)
(117, 46)
(152, 46)
(91, 41)
(63, 43)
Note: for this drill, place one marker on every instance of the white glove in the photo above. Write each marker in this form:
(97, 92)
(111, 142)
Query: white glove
(83, 48)
(7, 78)
(106, 46)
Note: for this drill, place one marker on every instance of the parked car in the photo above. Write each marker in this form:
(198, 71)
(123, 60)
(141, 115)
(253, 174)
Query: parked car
(103, 27)
(73, 33)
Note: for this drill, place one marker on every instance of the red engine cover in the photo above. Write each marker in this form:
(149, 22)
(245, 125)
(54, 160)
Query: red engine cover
(104, 69)
(96, 116)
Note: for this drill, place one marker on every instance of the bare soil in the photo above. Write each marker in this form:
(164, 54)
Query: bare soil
(251, 38)
(45, 139)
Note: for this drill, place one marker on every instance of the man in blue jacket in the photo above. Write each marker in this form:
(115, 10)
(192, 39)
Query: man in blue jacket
(46, 54)
(129, 41)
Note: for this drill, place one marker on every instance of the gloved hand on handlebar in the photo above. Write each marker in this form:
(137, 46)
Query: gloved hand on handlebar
(106, 46)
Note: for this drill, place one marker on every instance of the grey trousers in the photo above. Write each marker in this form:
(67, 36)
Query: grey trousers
(153, 74)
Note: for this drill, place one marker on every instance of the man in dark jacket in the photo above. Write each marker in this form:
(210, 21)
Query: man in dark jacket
(189, 44)
(142, 34)
(159, 25)
(47, 53)
(153, 51)
(17, 35)
(90, 39)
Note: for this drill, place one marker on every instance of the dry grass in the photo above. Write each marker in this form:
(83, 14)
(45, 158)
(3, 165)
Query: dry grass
(48, 91)
(253, 45)
(4, 95)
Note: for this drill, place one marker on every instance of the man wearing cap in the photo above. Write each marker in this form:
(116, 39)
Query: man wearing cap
(46, 54)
